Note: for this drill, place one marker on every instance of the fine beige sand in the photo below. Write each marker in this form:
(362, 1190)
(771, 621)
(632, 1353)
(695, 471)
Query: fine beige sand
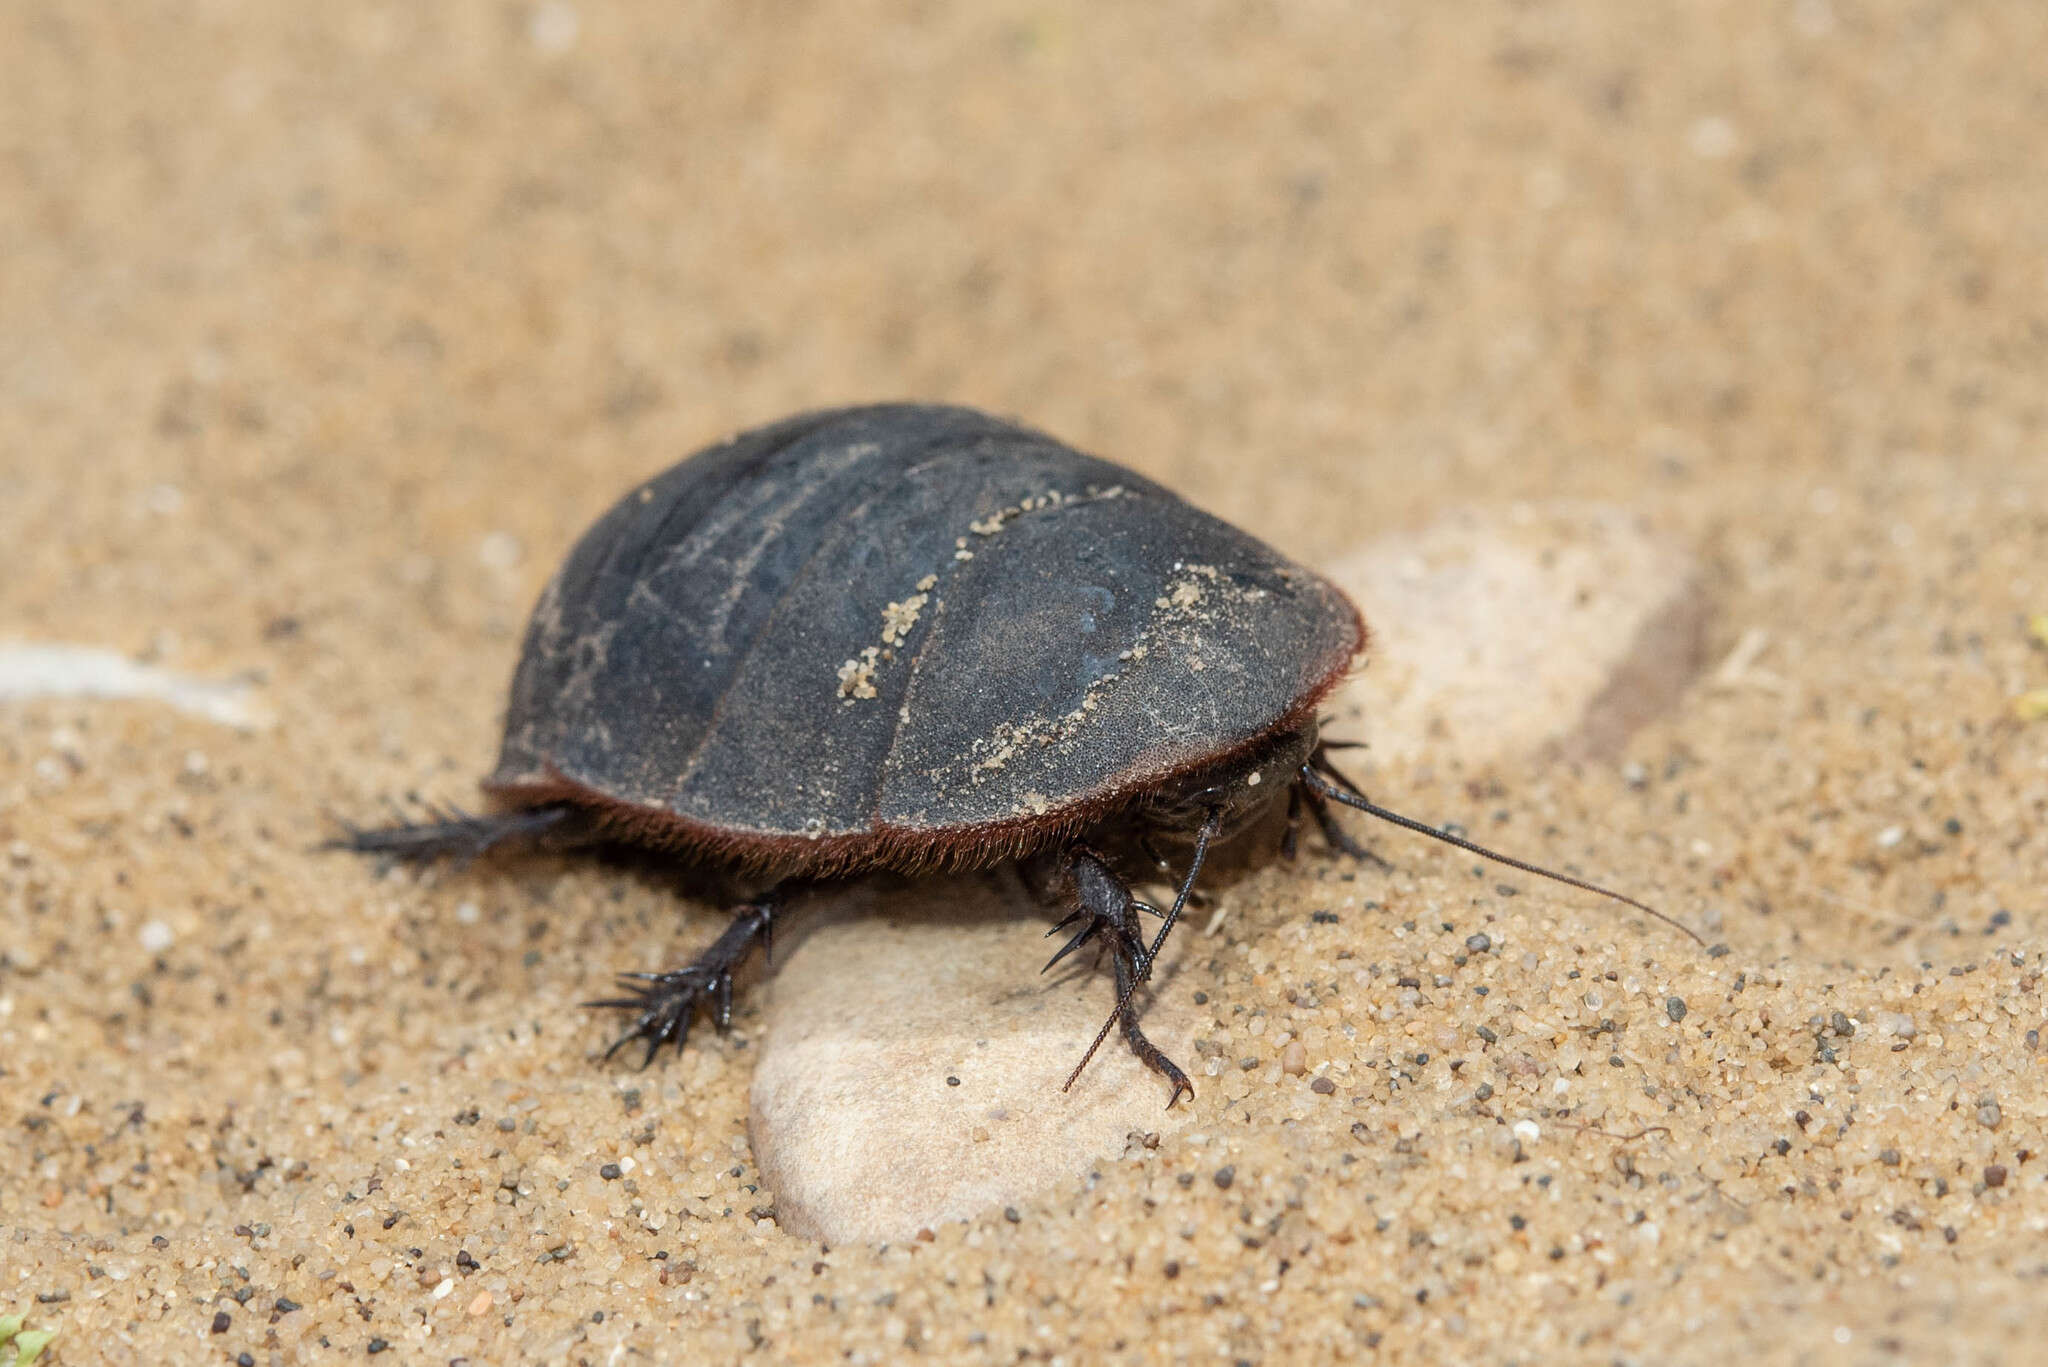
(323, 334)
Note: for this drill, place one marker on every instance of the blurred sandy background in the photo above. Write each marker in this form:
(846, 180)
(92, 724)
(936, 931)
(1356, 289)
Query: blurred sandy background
(323, 333)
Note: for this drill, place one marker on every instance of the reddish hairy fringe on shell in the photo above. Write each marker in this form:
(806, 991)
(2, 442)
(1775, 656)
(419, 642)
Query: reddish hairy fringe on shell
(894, 848)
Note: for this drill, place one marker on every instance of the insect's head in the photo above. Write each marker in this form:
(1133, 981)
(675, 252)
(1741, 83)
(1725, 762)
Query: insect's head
(1239, 789)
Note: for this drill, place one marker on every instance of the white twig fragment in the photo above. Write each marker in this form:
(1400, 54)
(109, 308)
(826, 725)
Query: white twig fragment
(64, 671)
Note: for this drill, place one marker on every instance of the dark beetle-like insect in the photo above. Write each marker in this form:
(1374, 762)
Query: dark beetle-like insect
(910, 637)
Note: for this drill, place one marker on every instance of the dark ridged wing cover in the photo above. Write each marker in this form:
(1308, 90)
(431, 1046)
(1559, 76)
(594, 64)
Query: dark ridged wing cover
(873, 629)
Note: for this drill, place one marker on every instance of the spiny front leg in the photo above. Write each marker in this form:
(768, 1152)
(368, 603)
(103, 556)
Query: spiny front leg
(1150, 1054)
(1334, 835)
(1107, 909)
(667, 1002)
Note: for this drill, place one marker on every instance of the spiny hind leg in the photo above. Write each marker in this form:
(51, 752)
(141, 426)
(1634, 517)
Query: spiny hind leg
(459, 836)
(664, 1004)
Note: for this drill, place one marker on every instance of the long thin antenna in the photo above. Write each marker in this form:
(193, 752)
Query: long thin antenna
(1100, 1036)
(1210, 825)
(1322, 787)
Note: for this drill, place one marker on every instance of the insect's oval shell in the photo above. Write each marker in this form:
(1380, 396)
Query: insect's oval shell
(900, 636)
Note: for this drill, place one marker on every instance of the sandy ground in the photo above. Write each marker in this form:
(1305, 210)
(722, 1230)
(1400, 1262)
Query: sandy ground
(321, 337)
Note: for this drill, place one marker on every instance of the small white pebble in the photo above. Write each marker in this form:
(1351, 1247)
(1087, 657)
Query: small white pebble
(443, 1287)
(1544, 187)
(1890, 836)
(156, 936)
(1712, 137)
(554, 27)
(1527, 1131)
(467, 913)
(499, 551)
(1814, 18)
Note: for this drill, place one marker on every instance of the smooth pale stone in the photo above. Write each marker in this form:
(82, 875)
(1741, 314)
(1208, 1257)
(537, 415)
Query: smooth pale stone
(52, 670)
(1507, 631)
(893, 988)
